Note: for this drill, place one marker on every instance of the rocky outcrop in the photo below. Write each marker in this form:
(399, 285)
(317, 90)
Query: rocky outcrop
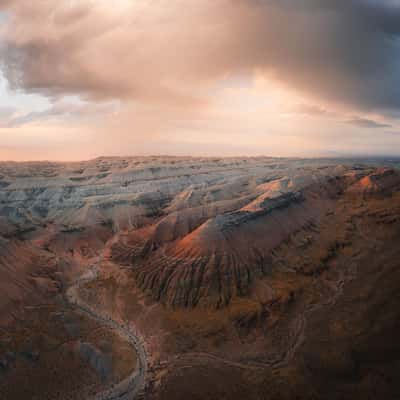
(210, 261)
(381, 182)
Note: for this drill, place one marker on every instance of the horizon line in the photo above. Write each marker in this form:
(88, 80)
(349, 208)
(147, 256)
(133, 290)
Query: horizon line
(338, 157)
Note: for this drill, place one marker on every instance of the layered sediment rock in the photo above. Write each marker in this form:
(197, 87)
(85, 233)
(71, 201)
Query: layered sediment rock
(195, 231)
(210, 261)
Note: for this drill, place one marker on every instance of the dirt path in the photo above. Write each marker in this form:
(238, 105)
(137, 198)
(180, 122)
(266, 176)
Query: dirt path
(133, 386)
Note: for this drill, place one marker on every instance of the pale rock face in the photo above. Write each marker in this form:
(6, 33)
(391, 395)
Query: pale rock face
(128, 192)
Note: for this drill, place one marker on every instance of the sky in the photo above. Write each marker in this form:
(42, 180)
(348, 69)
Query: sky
(86, 78)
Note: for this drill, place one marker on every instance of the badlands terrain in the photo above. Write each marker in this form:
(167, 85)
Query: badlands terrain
(200, 278)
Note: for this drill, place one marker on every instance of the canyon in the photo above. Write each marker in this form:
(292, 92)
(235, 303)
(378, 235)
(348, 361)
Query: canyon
(203, 278)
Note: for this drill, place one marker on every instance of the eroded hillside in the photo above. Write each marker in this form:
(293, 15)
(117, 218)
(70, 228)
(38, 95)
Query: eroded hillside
(256, 278)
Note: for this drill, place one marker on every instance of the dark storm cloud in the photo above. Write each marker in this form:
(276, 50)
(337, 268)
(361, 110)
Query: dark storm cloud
(343, 51)
(367, 123)
(339, 51)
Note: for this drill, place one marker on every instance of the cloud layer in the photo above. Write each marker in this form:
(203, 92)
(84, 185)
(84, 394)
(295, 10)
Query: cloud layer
(344, 51)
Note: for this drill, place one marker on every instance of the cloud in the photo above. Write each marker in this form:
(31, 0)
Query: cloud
(346, 52)
(6, 112)
(63, 110)
(280, 77)
(395, 133)
(367, 123)
(311, 110)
